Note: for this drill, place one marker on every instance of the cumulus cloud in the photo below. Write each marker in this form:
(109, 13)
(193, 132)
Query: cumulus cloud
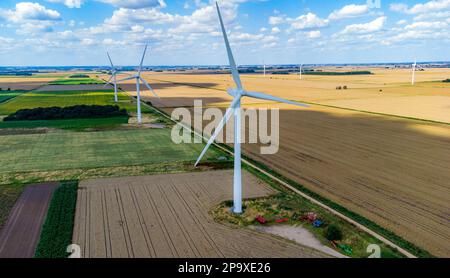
(370, 27)
(349, 11)
(69, 3)
(135, 4)
(27, 11)
(308, 21)
(427, 25)
(313, 34)
(428, 7)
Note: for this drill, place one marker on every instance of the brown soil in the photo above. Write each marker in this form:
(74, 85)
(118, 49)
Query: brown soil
(20, 235)
(167, 216)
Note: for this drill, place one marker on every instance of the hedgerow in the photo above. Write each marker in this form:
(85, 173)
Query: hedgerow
(57, 230)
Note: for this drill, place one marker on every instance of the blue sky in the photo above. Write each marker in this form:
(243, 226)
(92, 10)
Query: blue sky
(186, 32)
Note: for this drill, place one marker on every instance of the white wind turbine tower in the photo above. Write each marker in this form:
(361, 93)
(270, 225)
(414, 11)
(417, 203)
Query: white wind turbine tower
(264, 68)
(235, 108)
(413, 79)
(113, 77)
(138, 78)
(301, 70)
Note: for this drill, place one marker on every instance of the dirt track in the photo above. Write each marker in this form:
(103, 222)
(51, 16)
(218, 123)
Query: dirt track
(20, 235)
(167, 216)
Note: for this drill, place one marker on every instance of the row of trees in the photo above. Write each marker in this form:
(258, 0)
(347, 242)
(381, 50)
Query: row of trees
(70, 112)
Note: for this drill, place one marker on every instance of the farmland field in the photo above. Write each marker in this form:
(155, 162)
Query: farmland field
(76, 81)
(392, 170)
(6, 95)
(430, 97)
(73, 124)
(69, 150)
(24, 82)
(67, 98)
(167, 216)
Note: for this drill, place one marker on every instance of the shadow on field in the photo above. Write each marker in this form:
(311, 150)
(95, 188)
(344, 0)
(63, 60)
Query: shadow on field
(20, 85)
(164, 85)
(392, 171)
(165, 102)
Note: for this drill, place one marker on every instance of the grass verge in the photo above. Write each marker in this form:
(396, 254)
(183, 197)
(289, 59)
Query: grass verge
(9, 193)
(291, 209)
(57, 230)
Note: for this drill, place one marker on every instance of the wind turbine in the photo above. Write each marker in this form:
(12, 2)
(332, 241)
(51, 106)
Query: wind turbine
(138, 78)
(413, 80)
(235, 107)
(114, 73)
(264, 68)
(301, 70)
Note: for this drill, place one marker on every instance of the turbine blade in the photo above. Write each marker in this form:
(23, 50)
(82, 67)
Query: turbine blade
(222, 123)
(107, 53)
(142, 60)
(273, 98)
(108, 82)
(149, 87)
(127, 78)
(233, 67)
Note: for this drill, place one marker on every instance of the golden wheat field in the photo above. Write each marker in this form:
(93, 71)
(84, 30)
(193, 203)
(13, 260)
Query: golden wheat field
(25, 82)
(389, 169)
(428, 99)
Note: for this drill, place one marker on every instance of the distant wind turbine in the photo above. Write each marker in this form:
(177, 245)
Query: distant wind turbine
(264, 68)
(235, 107)
(301, 71)
(413, 79)
(138, 78)
(113, 77)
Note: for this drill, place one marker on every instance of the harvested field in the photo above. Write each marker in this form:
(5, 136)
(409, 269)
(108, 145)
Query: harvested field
(19, 237)
(430, 97)
(24, 83)
(167, 216)
(392, 171)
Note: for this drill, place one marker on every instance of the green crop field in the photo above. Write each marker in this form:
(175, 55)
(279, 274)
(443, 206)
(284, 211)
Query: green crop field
(73, 124)
(5, 95)
(76, 81)
(69, 150)
(36, 99)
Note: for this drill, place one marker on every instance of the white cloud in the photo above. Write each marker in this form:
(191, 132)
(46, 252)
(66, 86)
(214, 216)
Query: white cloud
(276, 20)
(69, 3)
(135, 4)
(426, 25)
(373, 26)
(398, 7)
(313, 34)
(263, 29)
(444, 14)
(275, 30)
(349, 11)
(27, 11)
(428, 7)
(308, 21)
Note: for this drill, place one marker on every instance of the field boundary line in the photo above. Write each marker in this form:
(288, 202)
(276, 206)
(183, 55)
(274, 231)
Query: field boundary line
(290, 187)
